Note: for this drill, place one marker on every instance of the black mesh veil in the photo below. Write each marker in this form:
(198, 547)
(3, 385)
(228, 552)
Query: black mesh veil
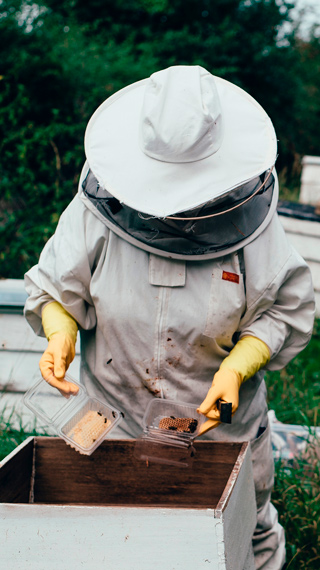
(184, 237)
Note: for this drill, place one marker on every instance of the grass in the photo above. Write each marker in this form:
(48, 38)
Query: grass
(12, 431)
(294, 394)
(290, 189)
(297, 498)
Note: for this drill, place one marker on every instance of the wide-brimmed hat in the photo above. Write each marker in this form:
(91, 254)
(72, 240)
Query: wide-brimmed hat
(178, 139)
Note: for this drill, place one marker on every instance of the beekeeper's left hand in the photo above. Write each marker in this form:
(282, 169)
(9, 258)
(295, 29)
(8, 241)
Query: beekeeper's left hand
(225, 387)
(245, 359)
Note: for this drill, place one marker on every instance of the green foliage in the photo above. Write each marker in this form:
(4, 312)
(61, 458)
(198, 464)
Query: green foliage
(294, 394)
(296, 497)
(12, 430)
(60, 60)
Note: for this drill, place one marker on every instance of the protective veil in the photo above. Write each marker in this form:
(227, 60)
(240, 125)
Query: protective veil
(223, 225)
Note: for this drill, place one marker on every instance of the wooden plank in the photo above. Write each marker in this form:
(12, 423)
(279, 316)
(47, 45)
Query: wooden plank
(129, 480)
(112, 475)
(16, 474)
(241, 506)
(12, 294)
(298, 211)
(238, 461)
(305, 238)
(307, 246)
(303, 227)
(310, 186)
(69, 538)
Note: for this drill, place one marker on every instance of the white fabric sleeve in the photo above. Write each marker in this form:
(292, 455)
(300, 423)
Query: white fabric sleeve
(65, 267)
(280, 296)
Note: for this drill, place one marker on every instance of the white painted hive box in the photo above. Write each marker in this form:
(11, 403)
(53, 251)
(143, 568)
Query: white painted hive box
(59, 509)
(304, 235)
(310, 180)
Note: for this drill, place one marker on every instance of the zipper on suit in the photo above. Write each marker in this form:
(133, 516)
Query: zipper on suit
(160, 320)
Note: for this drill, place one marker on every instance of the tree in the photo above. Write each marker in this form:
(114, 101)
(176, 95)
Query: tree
(61, 59)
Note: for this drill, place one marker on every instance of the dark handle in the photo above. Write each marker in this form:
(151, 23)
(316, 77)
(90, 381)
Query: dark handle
(225, 409)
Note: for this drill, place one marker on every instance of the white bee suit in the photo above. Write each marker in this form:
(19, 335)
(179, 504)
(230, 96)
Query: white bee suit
(155, 327)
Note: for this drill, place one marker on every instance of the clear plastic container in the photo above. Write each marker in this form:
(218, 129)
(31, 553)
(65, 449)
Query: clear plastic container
(173, 444)
(83, 422)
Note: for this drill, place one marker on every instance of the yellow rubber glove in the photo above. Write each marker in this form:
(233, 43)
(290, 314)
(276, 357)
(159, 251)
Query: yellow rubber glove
(245, 359)
(61, 331)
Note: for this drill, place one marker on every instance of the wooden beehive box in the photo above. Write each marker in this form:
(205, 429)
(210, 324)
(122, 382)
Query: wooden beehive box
(59, 509)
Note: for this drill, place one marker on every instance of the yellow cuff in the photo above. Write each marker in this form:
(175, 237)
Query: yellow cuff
(247, 357)
(56, 319)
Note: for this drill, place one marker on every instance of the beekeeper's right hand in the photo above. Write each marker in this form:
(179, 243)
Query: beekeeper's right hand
(249, 355)
(61, 331)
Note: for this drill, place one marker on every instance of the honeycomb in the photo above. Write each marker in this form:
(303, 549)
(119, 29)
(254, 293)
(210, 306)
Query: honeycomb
(87, 430)
(186, 425)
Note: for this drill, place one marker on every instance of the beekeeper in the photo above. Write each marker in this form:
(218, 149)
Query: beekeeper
(172, 263)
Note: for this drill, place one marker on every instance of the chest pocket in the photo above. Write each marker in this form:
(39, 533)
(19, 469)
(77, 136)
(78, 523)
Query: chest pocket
(166, 272)
(227, 300)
